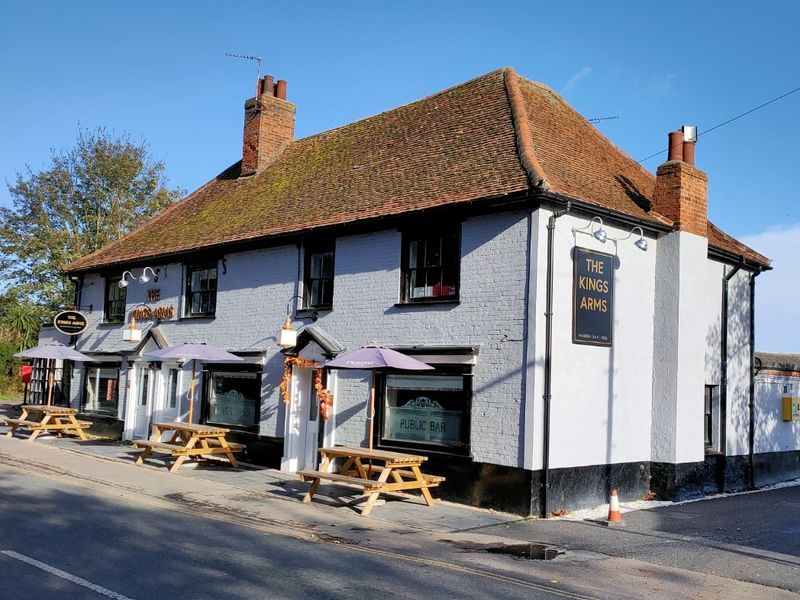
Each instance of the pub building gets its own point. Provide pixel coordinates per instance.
(588, 326)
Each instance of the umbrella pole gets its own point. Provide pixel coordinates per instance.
(191, 392)
(50, 379)
(371, 408)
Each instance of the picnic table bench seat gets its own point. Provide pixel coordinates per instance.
(214, 447)
(162, 447)
(24, 423)
(431, 480)
(367, 485)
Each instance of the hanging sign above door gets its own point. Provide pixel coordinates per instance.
(70, 322)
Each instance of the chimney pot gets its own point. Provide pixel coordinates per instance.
(268, 87)
(688, 152)
(280, 89)
(675, 148)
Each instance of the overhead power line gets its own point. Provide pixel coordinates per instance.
(731, 120)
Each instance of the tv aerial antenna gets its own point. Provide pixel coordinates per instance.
(256, 59)
(598, 119)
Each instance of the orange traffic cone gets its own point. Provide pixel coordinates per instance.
(614, 516)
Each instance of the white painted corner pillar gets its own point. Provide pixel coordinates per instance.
(679, 349)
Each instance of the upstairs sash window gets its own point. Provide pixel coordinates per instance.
(201, 291)
(431, 264)
(318, 280)
(116, 298)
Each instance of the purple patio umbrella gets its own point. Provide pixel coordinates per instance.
(373, 357)
(194, 350)
(53, 351)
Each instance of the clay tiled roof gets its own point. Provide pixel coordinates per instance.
(493, 136)
(719, 239)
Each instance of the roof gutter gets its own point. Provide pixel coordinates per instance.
(577, 204)
(736, 259)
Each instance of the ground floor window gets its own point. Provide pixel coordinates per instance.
(39, 386)
(232, 398)
(101, 389)
(172, 389)
(711, 418)
(426, 411)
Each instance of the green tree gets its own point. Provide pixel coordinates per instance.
(88, 197)
(20, 322)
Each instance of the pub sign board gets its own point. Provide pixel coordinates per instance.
(593, 297)
(70, 322)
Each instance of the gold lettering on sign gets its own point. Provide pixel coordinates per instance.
(159, 313)
(154, 295)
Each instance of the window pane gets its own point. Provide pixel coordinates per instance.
(316, 266)
(144, 380)
(450, 250)
(233, 398)
(418, 289)
(172, 401)
(425, 382)
(212, 278)
(427, 409)
(415, 249)
(327, 265)
(449, 281)
(315, 295)
(433, 252)
(101, 390)
(327, 292)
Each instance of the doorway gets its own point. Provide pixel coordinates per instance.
(167, 398)
(145, 384)
(302, 423)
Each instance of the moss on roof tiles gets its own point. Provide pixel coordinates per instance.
(455, 146)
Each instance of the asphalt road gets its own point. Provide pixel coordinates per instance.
(751, 537)
(60, 541)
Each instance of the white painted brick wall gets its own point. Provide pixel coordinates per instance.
(256, 286)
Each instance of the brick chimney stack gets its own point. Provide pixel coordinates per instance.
(268, 125)
(681, 192)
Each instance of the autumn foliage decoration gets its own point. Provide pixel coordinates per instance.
(325, 396)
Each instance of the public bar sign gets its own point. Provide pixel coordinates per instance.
(70, 322)
(593, 297)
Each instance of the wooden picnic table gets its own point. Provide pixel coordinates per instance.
(53, 419)
(188, 440)
(385, 472)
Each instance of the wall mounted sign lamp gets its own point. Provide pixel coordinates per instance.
(143, 278)
(287, 336)
(599, 234)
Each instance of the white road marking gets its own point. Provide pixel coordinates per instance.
(64, 575)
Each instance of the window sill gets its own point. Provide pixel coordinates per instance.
(110, 323)
(452, 302)
(197, 317)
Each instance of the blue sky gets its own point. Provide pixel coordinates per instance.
(158, 71)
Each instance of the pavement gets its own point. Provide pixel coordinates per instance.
(683, 546)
